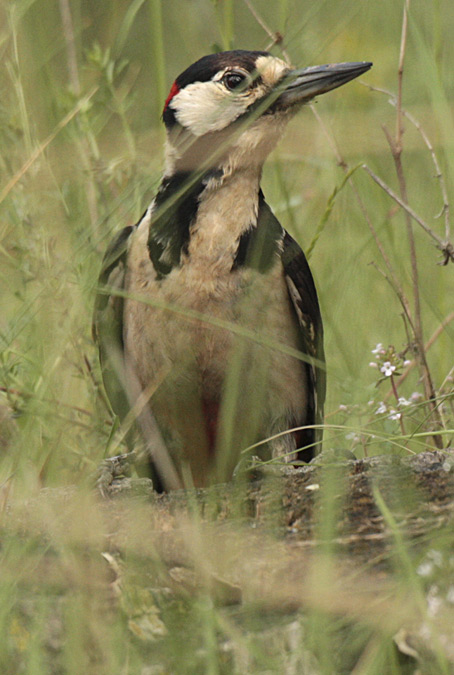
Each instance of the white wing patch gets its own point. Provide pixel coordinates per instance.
(305, 320)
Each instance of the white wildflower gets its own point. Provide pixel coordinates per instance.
(381, 408)
(394, 415)
(404, 401)
(387, 369)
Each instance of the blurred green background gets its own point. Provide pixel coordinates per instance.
(82, 85)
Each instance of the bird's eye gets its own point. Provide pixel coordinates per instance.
(233, 80)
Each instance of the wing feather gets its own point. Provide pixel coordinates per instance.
(304, 300)
(108, 320)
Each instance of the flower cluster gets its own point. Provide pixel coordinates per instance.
(402, 402)
(388, 361)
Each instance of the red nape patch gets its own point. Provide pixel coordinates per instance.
(173, 92)
(211, 414)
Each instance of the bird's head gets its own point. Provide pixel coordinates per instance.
(229, 109)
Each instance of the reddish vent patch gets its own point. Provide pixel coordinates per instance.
(211, 414)
(173, 92)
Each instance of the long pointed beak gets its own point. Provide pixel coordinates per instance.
(299, 86)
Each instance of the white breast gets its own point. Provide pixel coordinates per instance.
(173, 339)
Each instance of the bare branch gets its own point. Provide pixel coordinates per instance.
(400, 72)
(396, 147)
(344, 166)
(439, 174)
(445, 246)
(445, 209)
(276, 37)
(399, 292)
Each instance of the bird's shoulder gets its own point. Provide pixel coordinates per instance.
(258, 245)
(261, 246)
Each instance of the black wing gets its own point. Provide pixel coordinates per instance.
(108, 320)
(304, 299)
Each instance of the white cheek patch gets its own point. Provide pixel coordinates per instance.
(203, 107)
(271, 69)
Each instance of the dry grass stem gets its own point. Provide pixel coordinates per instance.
(45, 144)
(446, 247)
(275, 36)
(68, 32)
(344, 166)
(445, 209)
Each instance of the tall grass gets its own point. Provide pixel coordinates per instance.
(82, 86)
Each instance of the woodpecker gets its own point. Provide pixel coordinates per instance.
(207, 317)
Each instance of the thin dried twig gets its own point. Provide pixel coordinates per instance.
(400, 72)
(276, 37)
(445, 246)
(439, 175)
(344, 166)
(396, 151)
(27, 395)
(154, 443)
(400, 294)
(68, 32)
(73, 73)
(43, 146)
(445, 210)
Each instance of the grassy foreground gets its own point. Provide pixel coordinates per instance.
(82, 86)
